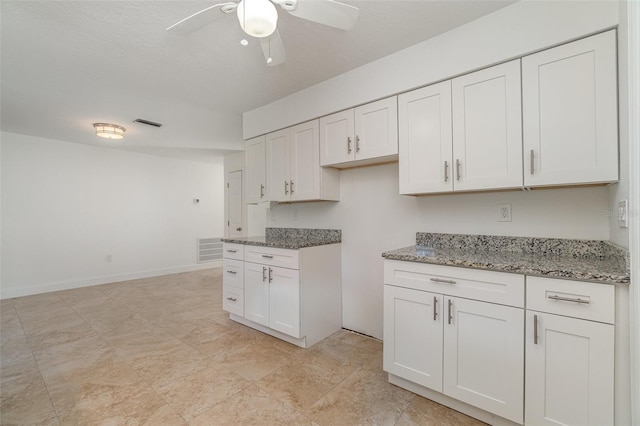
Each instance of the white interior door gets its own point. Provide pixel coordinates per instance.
(234, 204)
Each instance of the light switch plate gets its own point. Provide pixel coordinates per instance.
(623, 214)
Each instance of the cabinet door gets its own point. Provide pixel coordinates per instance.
(569, 371)
(284, 300)
(305, 162)
(256, 293)
(413, 335)
(484, 356)
(255, 157)
(336, 138)
(570, 113)
(487, 128)
(376, 129)
(278, 165)
(425, 139)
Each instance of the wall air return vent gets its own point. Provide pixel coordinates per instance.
(209, 249)
(147, 122)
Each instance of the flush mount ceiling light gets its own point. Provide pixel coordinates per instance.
(258, 18)
(109, 131)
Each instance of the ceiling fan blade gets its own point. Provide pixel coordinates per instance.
(273, 48)
(202, 18)
(326, 12)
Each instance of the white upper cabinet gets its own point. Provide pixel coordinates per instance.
(293, 166)
(367, 134)
(279, 165)
(570, 113)
(487, 129)
(255, 155)
(337, 138)
(424, 130)
(462, 134)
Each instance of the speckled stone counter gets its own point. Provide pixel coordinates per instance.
(291, 238)
(585, 260)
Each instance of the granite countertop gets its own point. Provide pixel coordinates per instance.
(585, 260)
(291, 238)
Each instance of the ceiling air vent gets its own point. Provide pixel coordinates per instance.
(147, 122)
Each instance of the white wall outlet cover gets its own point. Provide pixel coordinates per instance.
(623, 214)
(504, 212)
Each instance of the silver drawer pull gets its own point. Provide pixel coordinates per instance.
(232, 272)
(268, 256)
(568, 299)
(232, 251)
(442, 280)
(233, 299)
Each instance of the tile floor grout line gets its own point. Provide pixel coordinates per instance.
(35, 360)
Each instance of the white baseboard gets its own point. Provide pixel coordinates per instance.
(15, 291)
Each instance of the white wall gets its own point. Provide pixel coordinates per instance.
(620, 191)
(524, 27)
(371, 214)
(374, 219)
(66, 207)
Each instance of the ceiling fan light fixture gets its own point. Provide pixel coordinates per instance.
(109, 131)
(258, 18)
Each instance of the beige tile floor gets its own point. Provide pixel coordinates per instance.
(160, 351)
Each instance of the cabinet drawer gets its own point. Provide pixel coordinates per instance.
(233, 273)
(488, 286)
(233, 251)
(578, 299)
(284, 258)
(233, 300)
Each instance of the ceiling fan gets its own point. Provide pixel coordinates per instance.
(258, 18)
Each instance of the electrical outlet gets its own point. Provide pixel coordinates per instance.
(294, 214)
(504, 212)
(623, 214)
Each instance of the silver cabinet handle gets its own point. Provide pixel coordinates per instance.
(357, 143)
(286, 187)
(238, 229)
(349, 145)
(457, 169)
(270, 272)
(450, 315)
(232, 272)
(442, 280)
(446, 171)
(267, 256)
(264, 273)
(291, 186)
(233, 299)
(435, 308)
(261, 191)
(569, 299)
(535, 329)
(531, 158)
(232, 251)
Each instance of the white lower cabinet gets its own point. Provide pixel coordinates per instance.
(272, 297)
(570, 359)
(466, 349)
(294, 295)
(465, 338)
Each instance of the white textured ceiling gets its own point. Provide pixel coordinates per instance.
(68, 64)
